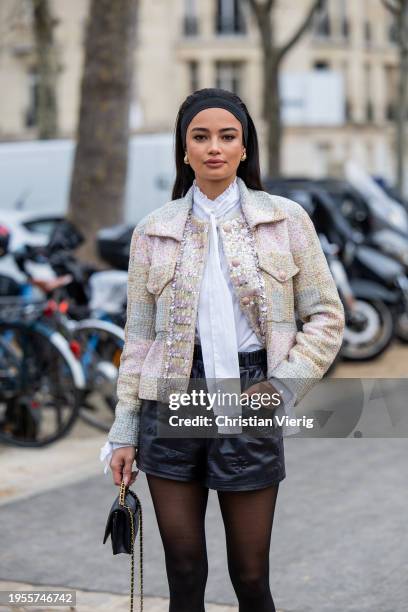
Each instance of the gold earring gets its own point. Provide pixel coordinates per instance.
(243, 158)
(186, 159)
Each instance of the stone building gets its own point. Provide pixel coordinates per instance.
(183, 45)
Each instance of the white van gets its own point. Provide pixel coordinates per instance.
(36, 175)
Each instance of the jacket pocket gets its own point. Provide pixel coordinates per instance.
(279, 265)
(279, 270)
(159, 276)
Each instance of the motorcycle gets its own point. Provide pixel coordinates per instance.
(370, 305)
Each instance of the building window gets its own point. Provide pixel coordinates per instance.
(345, 28)
(367, 32)
(391, 89)
(348, 110)
(190, 20)
(230, 18)
(392, 29)
(369, 104)
(393, 33)
(193, 72)
(229, 76)
(322, 25)
(31, 115)
(344, 68)
(390, 111)
(341, 18)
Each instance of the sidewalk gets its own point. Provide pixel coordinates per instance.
(88, 601)
(28, 472)
(336, 541)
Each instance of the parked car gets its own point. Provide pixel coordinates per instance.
(28, 227)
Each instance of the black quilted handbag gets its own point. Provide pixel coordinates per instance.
(124, 522)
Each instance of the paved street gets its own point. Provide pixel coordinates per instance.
(337, 541)
(89, 601)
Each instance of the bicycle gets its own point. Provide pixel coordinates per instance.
(41, 381)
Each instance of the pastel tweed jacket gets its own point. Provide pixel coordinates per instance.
(278, 270)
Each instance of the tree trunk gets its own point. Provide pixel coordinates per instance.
(270, 86)
(402, 105)
(273, 115)
(47, 70)
(100, 167)
(272, 55)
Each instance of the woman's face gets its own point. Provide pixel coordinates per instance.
(214, 135)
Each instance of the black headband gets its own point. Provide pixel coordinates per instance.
(211, 102)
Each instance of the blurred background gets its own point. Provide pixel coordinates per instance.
(90, 93)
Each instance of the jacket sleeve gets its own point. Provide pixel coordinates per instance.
(139, 336)
(319, 307)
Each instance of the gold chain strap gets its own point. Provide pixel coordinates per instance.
(132, 559)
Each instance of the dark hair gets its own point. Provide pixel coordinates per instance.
(248, 170)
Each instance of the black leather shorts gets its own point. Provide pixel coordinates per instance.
(226, 462)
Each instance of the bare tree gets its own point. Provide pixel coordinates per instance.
(101, 158)
(47, 68)
(399, 10)
(264, 12)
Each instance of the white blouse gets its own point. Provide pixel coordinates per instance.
(247, 341)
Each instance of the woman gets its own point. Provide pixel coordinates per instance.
(215, 278)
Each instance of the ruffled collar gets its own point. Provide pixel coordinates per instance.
(227, 201)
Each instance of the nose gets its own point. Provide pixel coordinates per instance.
(214, 146)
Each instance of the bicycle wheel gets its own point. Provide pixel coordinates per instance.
(40, 385)
(101, 348)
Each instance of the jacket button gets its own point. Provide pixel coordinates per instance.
(235, 262)
(282, 274)
(227, 227)
(245, 300)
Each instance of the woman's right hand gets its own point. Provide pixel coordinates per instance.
(121, 465)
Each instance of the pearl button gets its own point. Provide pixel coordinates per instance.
(227, 227)
(245, 300)
(282, 274)
(235, 262)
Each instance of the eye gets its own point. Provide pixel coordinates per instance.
(228, 137)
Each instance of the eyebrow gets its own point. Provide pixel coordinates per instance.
(207, 130)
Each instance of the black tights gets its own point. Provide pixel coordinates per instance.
(248, 516)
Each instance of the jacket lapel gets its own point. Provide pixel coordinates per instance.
(169, 221)
(257, 207)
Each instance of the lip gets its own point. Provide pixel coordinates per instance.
(215, 162)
